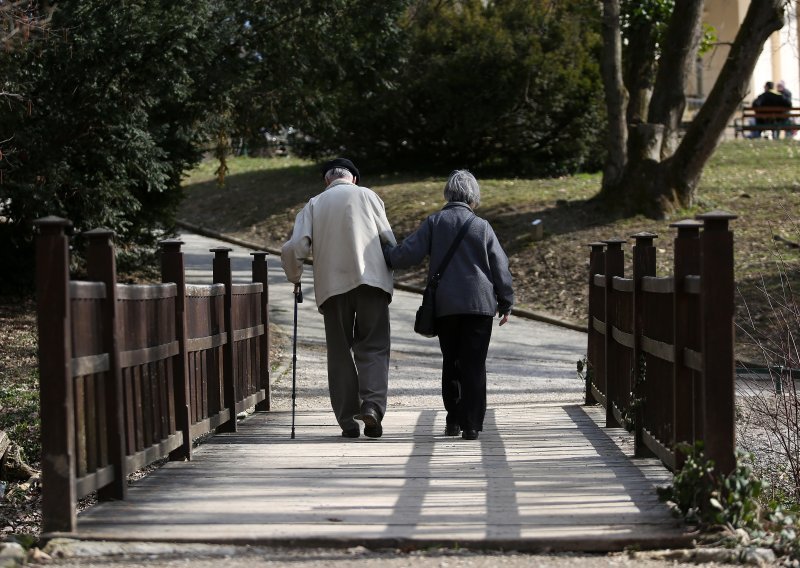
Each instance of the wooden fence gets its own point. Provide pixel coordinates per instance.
(660, 349)
(132, 373)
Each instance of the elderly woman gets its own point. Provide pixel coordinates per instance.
(473, 288)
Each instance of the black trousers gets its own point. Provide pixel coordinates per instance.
(464, 341)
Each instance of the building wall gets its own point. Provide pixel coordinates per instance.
(780, 59)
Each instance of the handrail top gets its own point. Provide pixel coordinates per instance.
(87, 290)
(204, 290)
(147, 291)
(716, 215)
(99, 232)
(687, 224)
(52, 221)
(658, 284)
(622, 284)
(247, 289)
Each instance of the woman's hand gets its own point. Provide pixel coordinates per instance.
(503, 319)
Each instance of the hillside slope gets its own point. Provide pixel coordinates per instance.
(757, 180)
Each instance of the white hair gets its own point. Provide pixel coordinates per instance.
(338, 173)
(462, 186)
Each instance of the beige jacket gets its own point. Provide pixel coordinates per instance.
(345, 225)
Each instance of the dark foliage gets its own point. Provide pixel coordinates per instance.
(111, 104)
(111, 113)
(301, 60)
(509, 87)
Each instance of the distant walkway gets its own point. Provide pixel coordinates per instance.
(542, 476)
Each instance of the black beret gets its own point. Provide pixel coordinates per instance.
(341, 163)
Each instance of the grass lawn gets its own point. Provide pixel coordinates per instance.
(19, 377)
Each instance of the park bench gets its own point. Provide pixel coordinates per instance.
(759, 119)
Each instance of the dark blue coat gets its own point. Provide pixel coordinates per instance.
(477, 280)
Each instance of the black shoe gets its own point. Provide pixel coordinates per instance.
(452, 430)
(470, 435)
(351, 433)
(372, 420)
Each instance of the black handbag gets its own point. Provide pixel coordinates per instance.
(425, 322)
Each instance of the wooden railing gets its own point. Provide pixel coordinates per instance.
(132, 373)
(660, 349)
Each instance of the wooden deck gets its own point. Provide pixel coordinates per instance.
(541, 477)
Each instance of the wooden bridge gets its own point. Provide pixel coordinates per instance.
(548, 473)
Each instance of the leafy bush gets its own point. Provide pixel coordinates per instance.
(109, 114)
(730, 503)
(19, 376)
(498, 86)
(19, 417)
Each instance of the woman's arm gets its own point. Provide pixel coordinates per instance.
(501, 275)
(412, 250)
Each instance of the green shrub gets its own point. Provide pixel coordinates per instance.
(511, 87)
(730, 503)
(110, 114)
(19, 416)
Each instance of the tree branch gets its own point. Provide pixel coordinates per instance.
(677, 59)
(762, 19)
(616, 95)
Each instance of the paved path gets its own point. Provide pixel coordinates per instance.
(542, 476)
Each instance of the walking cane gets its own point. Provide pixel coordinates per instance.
(298, 299)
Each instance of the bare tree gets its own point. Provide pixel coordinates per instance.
(654, 171)
(22, 20)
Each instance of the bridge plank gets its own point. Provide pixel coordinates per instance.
(531, 481)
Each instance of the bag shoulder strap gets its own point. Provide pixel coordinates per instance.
(451, 251)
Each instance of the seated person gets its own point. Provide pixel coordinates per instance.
(771, 101)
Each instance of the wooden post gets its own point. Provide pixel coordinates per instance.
(55, 376)
(222, 275)
(644, 264)
(173, 270)
(260, 274)
(687, 393)
(596, 266)
(615, 266)
(102, 267)
(717, 297)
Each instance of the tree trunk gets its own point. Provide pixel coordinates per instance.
(678, 55)
(648, 174)
(639, 71)
(616, 98)
(643, 178)
(684, 168)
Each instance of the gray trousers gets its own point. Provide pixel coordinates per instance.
(357, 337)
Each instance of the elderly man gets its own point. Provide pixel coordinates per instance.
(346, 225)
